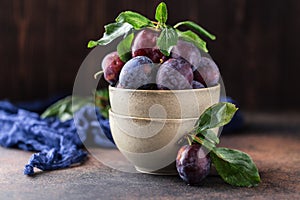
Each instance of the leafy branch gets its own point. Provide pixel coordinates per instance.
(128, 21)
(234, 166)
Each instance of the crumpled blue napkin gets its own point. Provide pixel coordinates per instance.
(59, 144)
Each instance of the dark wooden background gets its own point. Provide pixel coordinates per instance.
(43, 43)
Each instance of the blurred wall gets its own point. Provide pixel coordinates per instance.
(43, 43)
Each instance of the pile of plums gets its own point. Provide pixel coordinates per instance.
(149, 68)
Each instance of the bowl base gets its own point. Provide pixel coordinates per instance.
(169, 170)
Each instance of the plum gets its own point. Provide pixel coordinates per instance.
(175, 74)
(144, 44)
(111, 66)
(137, 73)
(209, 71)
(193, 163)
(187, 51)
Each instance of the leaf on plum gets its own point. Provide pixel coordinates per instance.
(197, 28)
(161, 14)
(124, 47)
(137, 20)
(192, 37)
(166, 40)
(112, 31)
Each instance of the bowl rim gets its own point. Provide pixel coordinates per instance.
(215, 87)
(151, 119)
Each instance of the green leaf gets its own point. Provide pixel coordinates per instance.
(166, 40)
(217, 115)
(192, 37)
(161, 14)
(55, 108)
(197, 28)
(102, 101)
(205, 143)
(235, 167)
(64, 108)
(92, 44)
(211, 136)
(112, 31)
(124, 48)
(135, 19)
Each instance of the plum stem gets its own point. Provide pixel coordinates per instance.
(98, 73)
(197, 139)
(189, 140)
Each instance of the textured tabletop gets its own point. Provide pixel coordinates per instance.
(271, 139)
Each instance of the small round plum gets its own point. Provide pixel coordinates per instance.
(175, 74)
(209, 71)
(137, 73)
(193, 164)
(144, 44)
(111, 66)
(187, 51)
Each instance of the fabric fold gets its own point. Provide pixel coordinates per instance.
(58, 144)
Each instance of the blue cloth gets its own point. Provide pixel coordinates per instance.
(58, 144)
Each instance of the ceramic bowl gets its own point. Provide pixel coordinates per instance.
(151, 145)
(147, 125)
(163, 104)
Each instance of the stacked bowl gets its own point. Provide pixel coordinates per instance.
(147, 125)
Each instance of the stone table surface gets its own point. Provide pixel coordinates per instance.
(272, 140)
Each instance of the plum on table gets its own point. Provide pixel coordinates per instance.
(193, 163)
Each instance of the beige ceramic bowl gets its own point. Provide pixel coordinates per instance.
(147, 124)
(151, 145)
(163, 104)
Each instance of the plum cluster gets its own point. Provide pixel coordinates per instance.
(149, 68)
